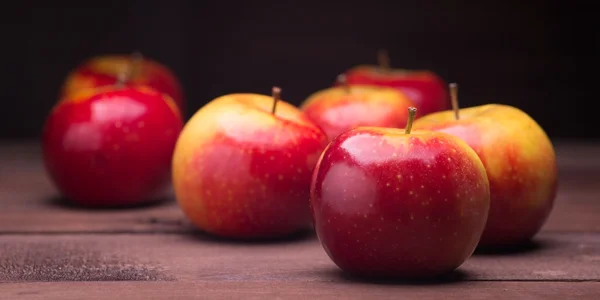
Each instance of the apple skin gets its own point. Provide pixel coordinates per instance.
(241, 172)
(521, 167)
(390, 205)
(104, 71)
(338, 109)
(426, 89)
(111, 146)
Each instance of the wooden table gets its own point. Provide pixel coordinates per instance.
(51, 250)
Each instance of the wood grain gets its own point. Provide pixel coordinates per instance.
(30, 204)
(200, 258)
(52, 250)
(293, 290)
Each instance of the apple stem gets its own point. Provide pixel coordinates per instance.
(383, 60)
(121, 79)
(276, 92)
(412, 111)
(454, 99)
(136, 63)
(342, 80)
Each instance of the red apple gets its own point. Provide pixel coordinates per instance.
(399, 204)
(112, 146)
(341, 108)
(425, 88)
(104, 70)
(242, 167)
(520, 162)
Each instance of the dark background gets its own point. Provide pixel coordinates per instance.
(540, 56)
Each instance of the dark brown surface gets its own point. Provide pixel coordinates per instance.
(52, 250)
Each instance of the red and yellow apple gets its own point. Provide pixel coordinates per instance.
(242, 167)
(105, 70)
(425, 88)
(520, 162)
(112, 146)
(398, 203)
(341, 108)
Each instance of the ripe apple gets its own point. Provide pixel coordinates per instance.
(341, 108)
(425, 88)
(398, 203)
(104, 70)
(242, 166)
(520, 163)
(112, 146)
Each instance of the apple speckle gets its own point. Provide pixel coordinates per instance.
(140, 124)
(280, 177)
(126, 129)
(116, 147)
(299, 170)
(412, 217)
(443, 176)
(387, 184)
(422, 186)
(118, 124)
(371, 205)
(365, 215)
(410, 192)
(272, 157)
(208, 192)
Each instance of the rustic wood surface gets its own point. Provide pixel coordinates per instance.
(50, 249)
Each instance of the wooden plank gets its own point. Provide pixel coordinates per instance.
(306, 290)
(28, 201)
(199, 258)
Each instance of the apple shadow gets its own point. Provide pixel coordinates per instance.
(295, 237)
(532, 246)
(453, 277)
(65, 203)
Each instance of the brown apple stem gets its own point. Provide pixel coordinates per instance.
(136, 64)
(121, 79)
(412, 112)
(383, 60)
(342, 80)
(454, 99)
(276, 97)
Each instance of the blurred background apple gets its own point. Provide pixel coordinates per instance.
(103, 70)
